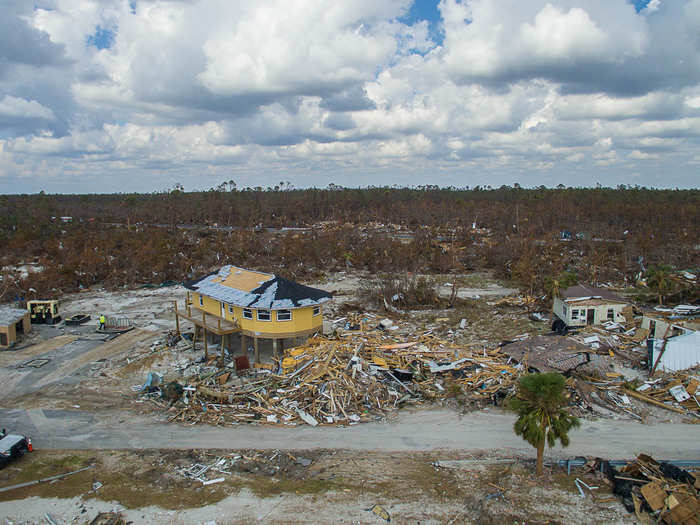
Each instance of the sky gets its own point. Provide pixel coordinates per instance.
(102, 96)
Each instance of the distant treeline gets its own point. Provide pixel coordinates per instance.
(127, 239)
(597, 211)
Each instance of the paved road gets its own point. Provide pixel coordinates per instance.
(413, 431)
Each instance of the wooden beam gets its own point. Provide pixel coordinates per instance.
(653, 401)
(177, 319)
(244, 349)
(257, 350)
(661, 352)
(206, 348)
(275, 343)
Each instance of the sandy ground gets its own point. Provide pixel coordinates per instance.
(334, 487)
(14, 357)
(149, 308)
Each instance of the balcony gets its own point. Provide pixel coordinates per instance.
(209, 322)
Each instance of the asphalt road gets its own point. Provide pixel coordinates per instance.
(412, 431)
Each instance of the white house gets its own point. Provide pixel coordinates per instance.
(583, 305)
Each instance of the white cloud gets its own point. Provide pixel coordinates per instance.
(536, 39)
(19, 108)
(543, 90)
(641, 155)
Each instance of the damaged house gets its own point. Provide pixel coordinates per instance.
(254, 304)
(583, 305)
(674, 337)
(13, 323)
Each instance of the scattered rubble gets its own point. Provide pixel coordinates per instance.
(659, 491)
(358, 377)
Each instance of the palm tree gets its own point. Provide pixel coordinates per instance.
(541, 416)
(659, 278)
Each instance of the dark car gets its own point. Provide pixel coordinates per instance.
(13, 446)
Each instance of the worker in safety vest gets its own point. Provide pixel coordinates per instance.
(103, 320)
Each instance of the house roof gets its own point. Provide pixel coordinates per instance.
(10, 315)
(549, 354)
(251, 289)
(581, 291)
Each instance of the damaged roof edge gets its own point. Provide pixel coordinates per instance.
(274, 294)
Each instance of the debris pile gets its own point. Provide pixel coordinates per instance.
(662, 490)
(680, 390)
(264, 462)
(362, 376)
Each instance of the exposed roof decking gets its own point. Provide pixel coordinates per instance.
(274, 293)
(241, 279)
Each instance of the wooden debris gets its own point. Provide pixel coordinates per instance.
(360, 377)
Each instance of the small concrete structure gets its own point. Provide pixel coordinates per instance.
(13, 323)
(583, 305)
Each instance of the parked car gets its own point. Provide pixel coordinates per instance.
(13, 446)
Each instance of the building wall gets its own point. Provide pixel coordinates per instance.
(660, 324)
(659, 327)
(681, 352)
(302, 320)
(565, 312)
(11, 332)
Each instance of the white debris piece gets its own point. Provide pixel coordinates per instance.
(308, 418)
(679, 393)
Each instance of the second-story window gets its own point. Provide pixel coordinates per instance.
(247, 313)
(263, 315)
(284, 315)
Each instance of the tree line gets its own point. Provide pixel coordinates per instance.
(128, 239)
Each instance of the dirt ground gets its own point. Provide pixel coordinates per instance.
(327, 486)
(25, 353)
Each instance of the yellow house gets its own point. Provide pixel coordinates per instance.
(254, 304)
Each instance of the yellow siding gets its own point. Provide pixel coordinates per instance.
(302, 318)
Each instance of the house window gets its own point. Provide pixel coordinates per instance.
(263, 315)
(284, 315)
(230, 308)
(574, 314)
(611, 314)
(317, 310)
(201, 301)
(247, 313)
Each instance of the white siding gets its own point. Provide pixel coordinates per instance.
(600, 316)
(682, 352)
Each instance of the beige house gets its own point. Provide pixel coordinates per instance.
(583, 305)
(13, 323)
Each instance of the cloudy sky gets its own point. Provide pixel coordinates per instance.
(138, 95)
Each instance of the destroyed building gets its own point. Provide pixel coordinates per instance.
(13, 323)
(254, 304)
(674, 337)
(583, 305)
